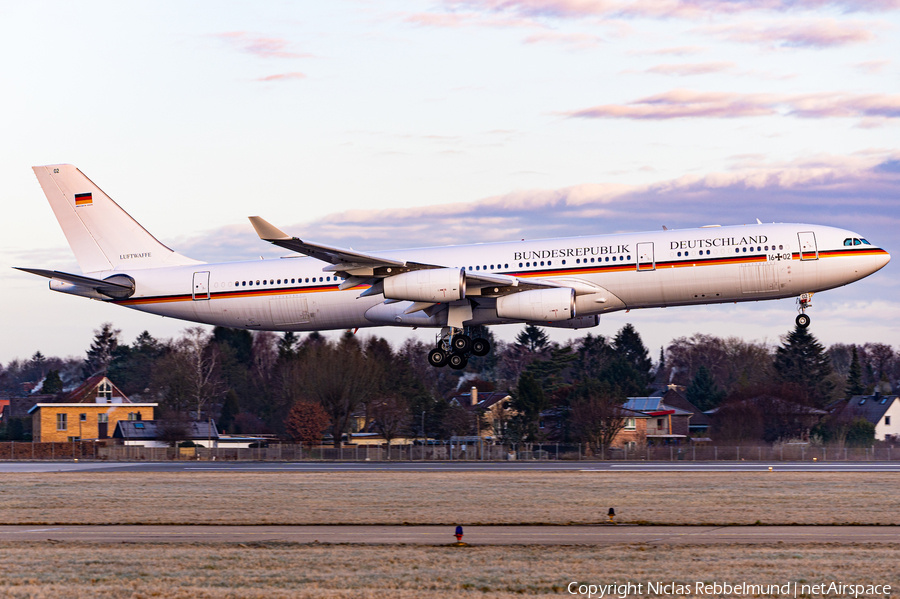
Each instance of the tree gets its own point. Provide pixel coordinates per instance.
(172, 429)
(801, 360)
(703, 391)
(597, 414)
(854, 377)
(52, 383)
(231, 407)
(305, 423)
(339, 379)
(100, 354)
(532, 338)
(629, 346)
(529, 401)
(391, 417)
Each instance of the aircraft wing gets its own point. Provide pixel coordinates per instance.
(111, 288)
(357, 268)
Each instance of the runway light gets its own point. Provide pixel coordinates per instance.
(815, 459)
(770, 469)
(459, 534)
(612, 514)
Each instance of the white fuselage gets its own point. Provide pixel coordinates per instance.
(609, 273)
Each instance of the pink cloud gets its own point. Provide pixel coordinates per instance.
(282, 77)
(822, 33)
(682, 103)
(689, 9)
(697, 68)
(264, 47)
(872, 67)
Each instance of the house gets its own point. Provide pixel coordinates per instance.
(494, 406)
(764, 417)
(86, 412)
(145, 433)
(650, 419)
(881, 410)
(673, 395)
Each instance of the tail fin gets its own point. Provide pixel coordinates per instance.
(100, 233)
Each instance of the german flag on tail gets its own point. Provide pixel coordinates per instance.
(84, 199)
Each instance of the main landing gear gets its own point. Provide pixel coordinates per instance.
(803, 303)
(454, 347)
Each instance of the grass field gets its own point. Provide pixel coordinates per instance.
(449, 498)
(80, 571)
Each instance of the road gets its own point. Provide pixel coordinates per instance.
(551, 466)
(442, 535)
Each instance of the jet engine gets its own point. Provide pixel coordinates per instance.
(538, 304)
(437, 285)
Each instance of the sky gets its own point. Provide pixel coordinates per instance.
(381, 125)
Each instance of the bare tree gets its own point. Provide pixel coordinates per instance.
(189, 374)
(339, 378)
(390, 417)
(597, 415)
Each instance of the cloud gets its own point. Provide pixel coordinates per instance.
(681, 103)
(282, 77)
(857, 192)
(822, 33)
(685, 9)
(871, 67)
(257, 45)
(687, 69)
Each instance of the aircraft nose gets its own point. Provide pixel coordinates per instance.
(881, 261)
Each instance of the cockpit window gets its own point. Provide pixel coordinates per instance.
(865, 242)
(848, 241)
(857, 242)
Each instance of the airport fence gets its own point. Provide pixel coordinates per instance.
(448, 451)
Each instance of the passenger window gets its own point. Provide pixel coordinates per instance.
(737, 250)
(520, 265)
(477, 268)
(506, 266)
(564, 262)
(307, 279)
(607, 258)
(244, 284)
(593, 259)
(542, 262)
(707, 253)
(686, 253)
(577, 260)
(745, 250)
(549, 263)
(614, 258)
(679, 254)
(237, 283)
(492, 267)
(780, 247)
(629, 257)
(484, 267)
(320, 279)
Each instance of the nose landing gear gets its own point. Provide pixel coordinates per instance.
(804, 302)
(454, 347)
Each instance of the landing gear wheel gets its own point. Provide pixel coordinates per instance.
(458, 361)
(437, 358)
(461, 344)
(481, 347)
(802, 321)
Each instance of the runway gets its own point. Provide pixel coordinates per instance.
(443, 535)
(456, 466)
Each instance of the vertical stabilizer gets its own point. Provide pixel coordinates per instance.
(100, 233)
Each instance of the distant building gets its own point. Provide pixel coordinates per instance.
(145, 433)
(881, 410)
(495, 406)
(89, 411)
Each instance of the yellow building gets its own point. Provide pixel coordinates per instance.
(89, 412)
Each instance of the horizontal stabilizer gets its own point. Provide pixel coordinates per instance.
(122, 287)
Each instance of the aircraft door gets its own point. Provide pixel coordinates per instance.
(201, 286)
(645, 257)
(808, 249)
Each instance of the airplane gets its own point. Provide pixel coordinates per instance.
(563, 282)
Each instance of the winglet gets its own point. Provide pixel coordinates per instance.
(266, 230)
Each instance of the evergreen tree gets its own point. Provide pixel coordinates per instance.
(231, 407)
(103, 347)
(629, 346)
(801, 360)
(660, 367)
(703, 391)
(529, 401)
(240, 340)
(532, 338)
(52, 383)
(287, 346)
(854, 377)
